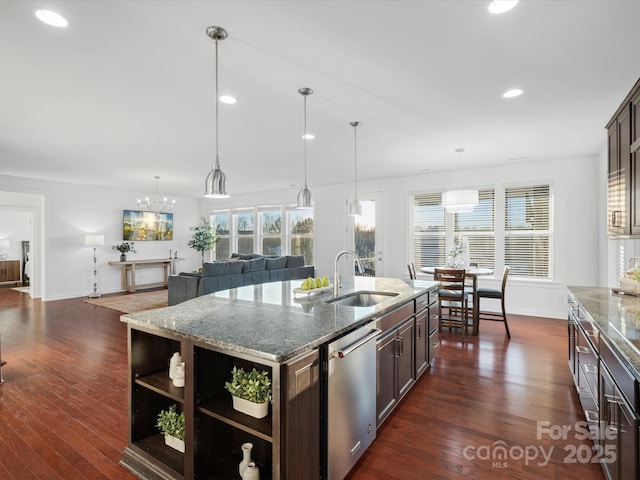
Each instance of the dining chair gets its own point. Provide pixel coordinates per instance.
(412, 271)
(453, 299)
(495, 294)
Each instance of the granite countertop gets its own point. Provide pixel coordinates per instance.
(268, 321)
(617, 317)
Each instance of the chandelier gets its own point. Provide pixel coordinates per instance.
(158, 204)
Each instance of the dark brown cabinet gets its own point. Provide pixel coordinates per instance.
(214, 431)
(10, 271)
(395, 374)
(609, 395)
(623, 193)
(422, 342)
(301, 417)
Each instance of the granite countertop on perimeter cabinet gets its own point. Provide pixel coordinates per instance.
(269, 321)
(617, 317)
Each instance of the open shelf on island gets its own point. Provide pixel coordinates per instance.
(160, 383)
(221, 408)
(155, 446)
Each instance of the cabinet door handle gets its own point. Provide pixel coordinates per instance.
(591, 369)
(581, 349)
(398, 343)
(592, 417)
(419, 331)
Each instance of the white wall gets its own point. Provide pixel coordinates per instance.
(71, 211)
(577, 189)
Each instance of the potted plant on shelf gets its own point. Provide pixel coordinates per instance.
(171, 424)
(251, 391)
(123, 248)
(204, 237)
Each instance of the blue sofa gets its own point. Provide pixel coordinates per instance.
(238, 271)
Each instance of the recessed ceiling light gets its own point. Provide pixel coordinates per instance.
(516, 92)
(309, 136)
(51, 18)
(501, 6)
(228, 99)
(459, 150)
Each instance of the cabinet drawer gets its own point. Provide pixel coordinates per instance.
(423, 301)
(434, 345)
(621, 375)
(393, 318)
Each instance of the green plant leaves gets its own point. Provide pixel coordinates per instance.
(254, 386)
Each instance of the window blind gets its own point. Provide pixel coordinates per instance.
(528, 231)
(478, 228)
(428, 230)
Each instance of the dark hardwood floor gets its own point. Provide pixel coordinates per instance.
(63, 411)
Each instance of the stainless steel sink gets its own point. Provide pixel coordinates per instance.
(362, 298)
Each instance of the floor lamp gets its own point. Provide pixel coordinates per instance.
(94, 241)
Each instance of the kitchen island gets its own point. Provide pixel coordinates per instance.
(604, 359)
(264, 326)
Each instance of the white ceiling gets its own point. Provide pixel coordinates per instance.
(126, 92)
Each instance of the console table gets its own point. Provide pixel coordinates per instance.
(129, 271)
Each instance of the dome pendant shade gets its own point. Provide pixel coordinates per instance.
(304, 199)
(355, 207)
(460, 200)
(304, 196)
(215, 186)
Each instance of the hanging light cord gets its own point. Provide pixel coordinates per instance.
(305, 141)
(217, 156)
(355, 157)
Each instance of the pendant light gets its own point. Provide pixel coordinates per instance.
(304, 196)
(458, 201)
(355, 207)
(216, 183)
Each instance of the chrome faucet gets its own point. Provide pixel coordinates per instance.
(336, 280)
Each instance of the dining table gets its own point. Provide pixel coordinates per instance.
(473, 273)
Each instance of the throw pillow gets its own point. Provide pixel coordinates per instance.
(276, 263)
(215, 269)
(295, 261)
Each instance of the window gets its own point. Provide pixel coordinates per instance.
(478, 229)
(300, 233)
(243, 223)
(220, 222)
(528, 231)
(428, 229)
(271, 231)
(521, 231)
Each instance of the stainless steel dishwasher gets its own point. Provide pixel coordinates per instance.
(350, 393)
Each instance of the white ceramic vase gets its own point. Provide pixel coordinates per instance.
(246, 458)
(251, 472)
(178, 377)
(256, 410)
(173, 363)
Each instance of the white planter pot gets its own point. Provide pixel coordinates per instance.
(257, 410)
(174, 442)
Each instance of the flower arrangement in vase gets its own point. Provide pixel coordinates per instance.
(123, 248)
(251, 391)
(456, 259)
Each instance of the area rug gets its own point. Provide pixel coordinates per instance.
(132, 302)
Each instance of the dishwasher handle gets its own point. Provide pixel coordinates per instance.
(358, 343)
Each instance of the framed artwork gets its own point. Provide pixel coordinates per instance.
(139, 226)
